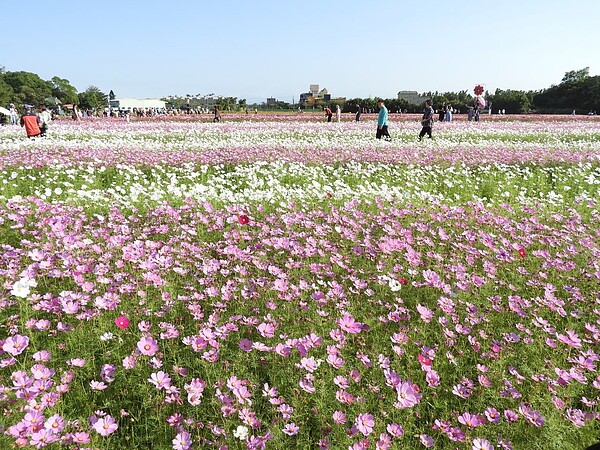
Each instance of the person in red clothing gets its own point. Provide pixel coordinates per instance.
(31, 122)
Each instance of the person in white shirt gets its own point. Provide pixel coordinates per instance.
(14, 114)
(45, 118)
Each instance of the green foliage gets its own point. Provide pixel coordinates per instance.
(227, 103)
(514, 102)
(62, 89)
(93, 98)
(577, 91)
(27, 87)
(6, 92)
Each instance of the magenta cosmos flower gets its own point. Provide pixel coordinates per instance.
(407, 396)
(15, 345)
(105, 425)
(349, 324)
(243, 219)
(147, 346)
(183, 441)
(122, 322)
(365, 423)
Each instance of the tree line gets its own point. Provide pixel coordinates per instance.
(23, 88)
(577, 91)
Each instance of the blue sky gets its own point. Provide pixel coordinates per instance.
(260, 48)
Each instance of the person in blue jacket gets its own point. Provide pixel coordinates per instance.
(382, 122)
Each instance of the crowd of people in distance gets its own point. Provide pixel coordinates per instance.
(36, 120)
(445, 114)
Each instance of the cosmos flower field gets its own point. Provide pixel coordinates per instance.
(280, 282)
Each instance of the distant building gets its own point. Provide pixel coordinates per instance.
(411, 97)
(315, 94)
(271, 101)
(128, 104)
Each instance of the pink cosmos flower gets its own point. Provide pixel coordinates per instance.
(570, 339)
(324, 444)
(309, 364)
(42, 356)
(365, 423)
(424, 360)
(122, 322)
(43, 437)
(243, 219)
(471, 420)
(15, 345)
(407, 396)
(481, 444)
(432, 378)
(510, 415)
(425, 313)
(105, 425)
(98, 385)
(349, 324)
(245, 344)
(339, 417)
(182, 441)
(533, 416)
(81, 438)
(55, 423)
(426, 440)
(160, 379)
(266, 330)
(395, 430)
(147, 346)
(492, 415)
(291, 429)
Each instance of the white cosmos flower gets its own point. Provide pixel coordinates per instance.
(107, 336)
(241, 432)
(394, 285)
(20, 289)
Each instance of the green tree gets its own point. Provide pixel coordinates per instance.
(93, 98)
(514, 102)
(577, 90)
(576, 76)
(6, 91)
(28, 87)
(62, 89)
(227, 103)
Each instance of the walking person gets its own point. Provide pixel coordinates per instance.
(426, 120)
(382, 122)
(31, 122)
(358, 113)
(328, 113)
(217, 117)
(442, 112)
(75, 115)
(338, 113)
